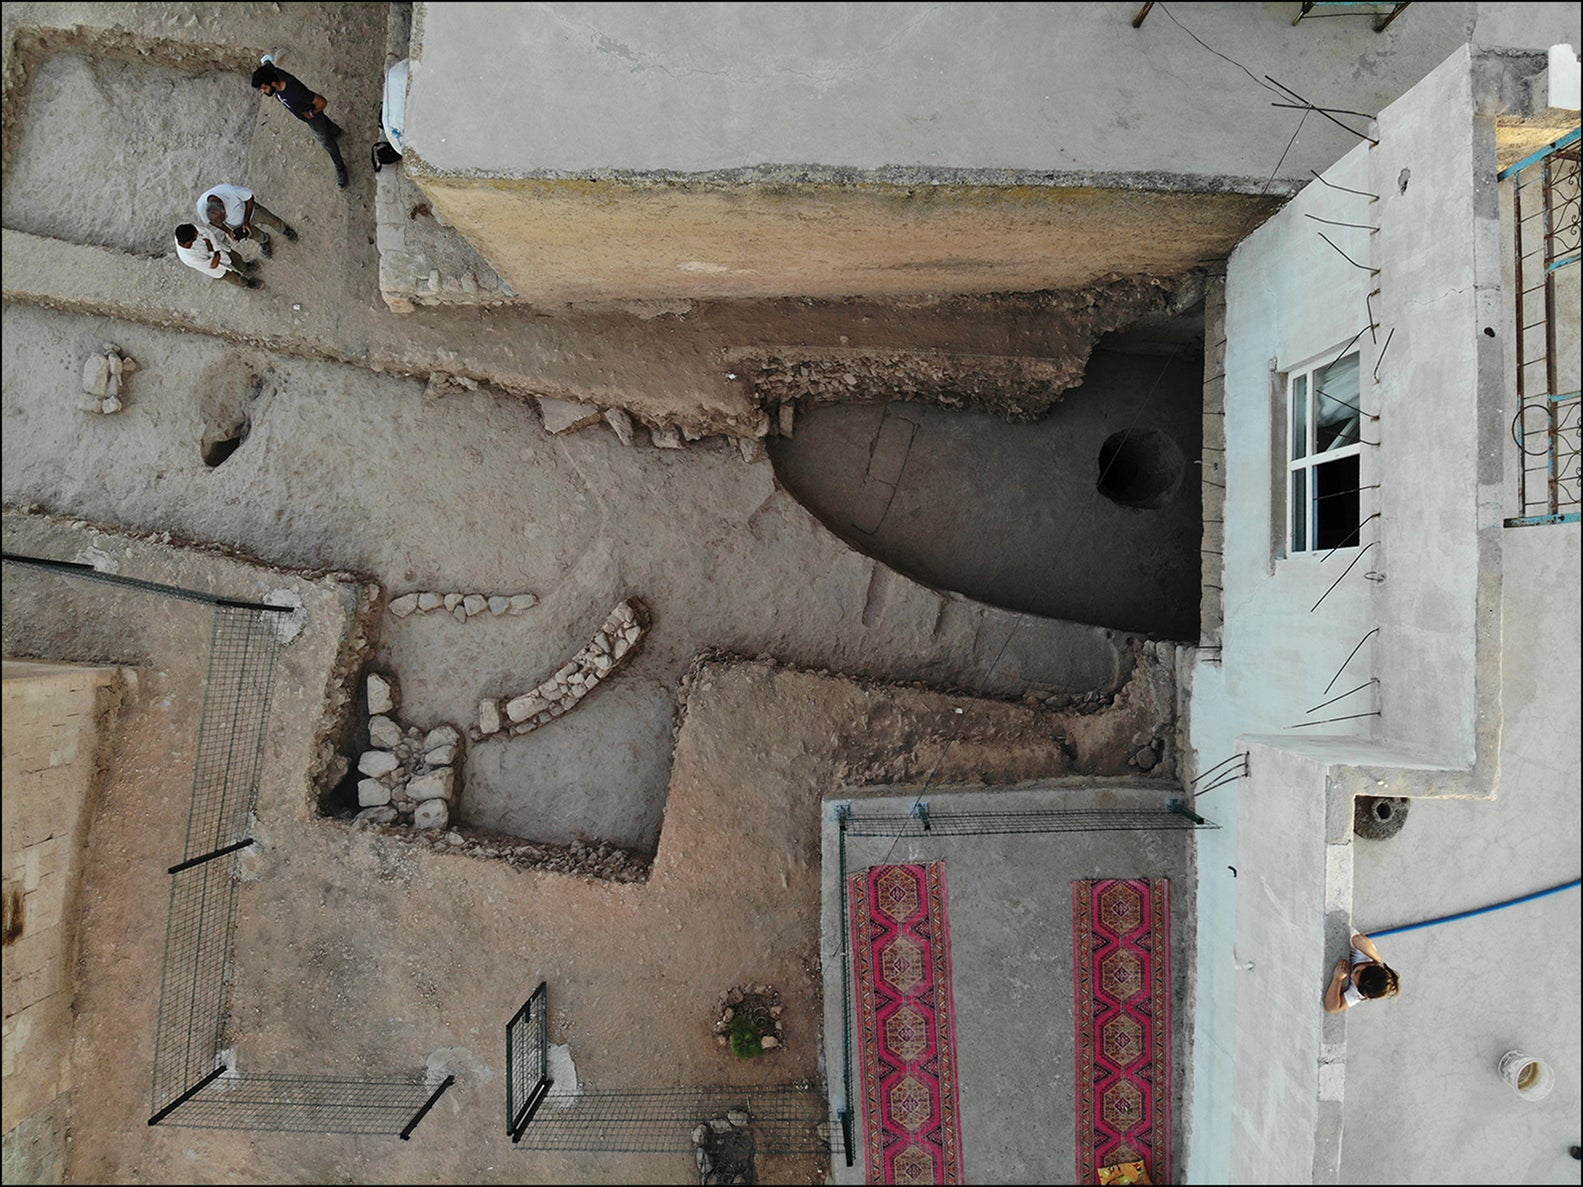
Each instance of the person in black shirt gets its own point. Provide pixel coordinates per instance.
(307, 106)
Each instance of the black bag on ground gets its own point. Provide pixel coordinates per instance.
(384, 154)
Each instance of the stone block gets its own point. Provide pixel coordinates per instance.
(436, 785)
(375, 763)
(431, 814)
(96, 376)
(475, 604)
(441, 756)
(521, 708)
(488, 717)
(565, 416)
(383, 693)
(498, 604)
(383, 732)
(404, 605)
(620, 423)
(429, 601)
(521, 602)
(371, 793)
(441, 735)
(452, 600)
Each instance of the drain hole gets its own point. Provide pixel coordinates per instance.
(1140, 468)
(1379, 817)
(219, 444)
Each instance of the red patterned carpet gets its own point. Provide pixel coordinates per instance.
(1121, 961)
(905, 1025)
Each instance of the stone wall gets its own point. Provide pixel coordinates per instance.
(613, 644)
(410, 775)
(54, 718)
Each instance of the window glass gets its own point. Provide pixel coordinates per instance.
(1299, 505)
(1337, 503)
(1324, 436)
(1299, 417)
(1336, 416)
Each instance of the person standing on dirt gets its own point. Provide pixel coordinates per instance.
(233, 209)
(200, 252)
(307, 105)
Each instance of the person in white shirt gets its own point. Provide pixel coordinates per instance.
(1361, 975)
(200, 252)
(233, 209)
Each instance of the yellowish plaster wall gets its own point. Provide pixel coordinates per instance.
(51, 722)
(584, 241)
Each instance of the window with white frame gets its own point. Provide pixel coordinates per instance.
(1324, 446)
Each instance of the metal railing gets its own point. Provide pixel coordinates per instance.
(1546, 426)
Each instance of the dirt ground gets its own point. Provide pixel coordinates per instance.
(360, 954)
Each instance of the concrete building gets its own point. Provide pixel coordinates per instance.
(1395, 624)
(593, 152)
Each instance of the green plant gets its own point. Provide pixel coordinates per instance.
(745, 1037)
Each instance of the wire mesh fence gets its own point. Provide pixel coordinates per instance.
(527, 1062)
(780, 1118)
(927, 822)
(203, 897)
(304, 1104)
(192, 1085)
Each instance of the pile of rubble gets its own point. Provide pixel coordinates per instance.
(104, 378)
(463, 606)
(410, 776)
(612, 645)
(723, 1148)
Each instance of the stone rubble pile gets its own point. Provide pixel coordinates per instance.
(568, 416)
(612, 645)
(104, 377)
(409, 776)
(462, 605)
(723, 1148)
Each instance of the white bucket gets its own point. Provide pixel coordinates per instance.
(1530, 1078)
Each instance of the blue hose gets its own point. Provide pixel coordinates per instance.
(1512, 902)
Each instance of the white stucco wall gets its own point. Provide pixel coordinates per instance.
(1289, 297)
(1270, 1085)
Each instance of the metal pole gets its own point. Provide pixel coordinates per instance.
(40, 562)
(1396, 11)
(843, 813)
(188, 1095)
(530, 1110)
(406, 1134)
(1136, 21)
(198, 861)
